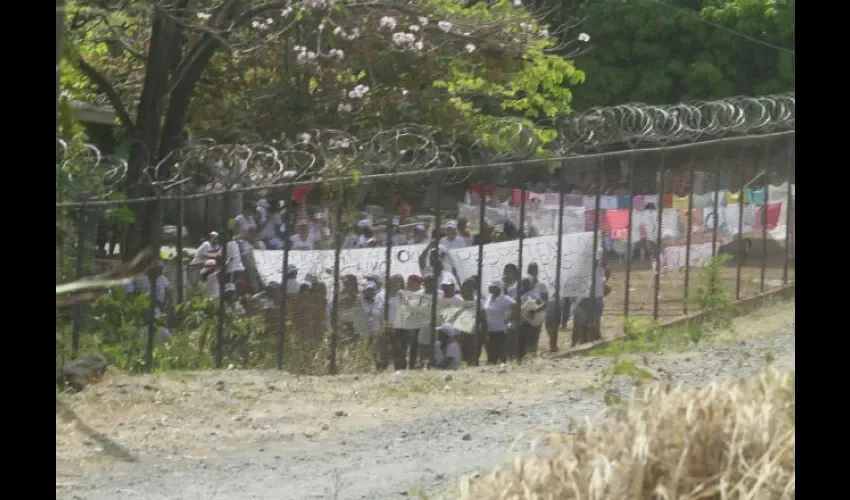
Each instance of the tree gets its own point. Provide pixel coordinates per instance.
(150, 59)
(681, 50)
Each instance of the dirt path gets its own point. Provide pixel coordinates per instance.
(427, 447)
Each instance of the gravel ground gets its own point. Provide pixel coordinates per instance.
(430, 453)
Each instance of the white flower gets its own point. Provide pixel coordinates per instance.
(358, 92)
(305, 57)
(388, 22)
(414, 28)
(544, 32)
(445, 26)
(303, 137)
(583, 37)
(300, 48)
(423, 21)
(419, 45)
(355, 33)
(403, 38)
(517, 3)
(260, 25)
(269, 20)
(404, 92)
(336, 54)
(339, 31)
(470, 47)
(344, 107)
(203, 15)
(285, 12)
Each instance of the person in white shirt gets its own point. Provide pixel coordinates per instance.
(447, 352)
(462, 231)
(452, 240)
(292, 283)
(302, 239)
(209, 278)
(374, 309)
(162, 294)
(209, 249)
(419, 235)
(245, 223)
(320, 233)
(435, 255)
(510, 284)
(497, 313)
(541, 294)
(269, 228)
(364, 233)
(234, 268)
(531, 319)
(447, 286)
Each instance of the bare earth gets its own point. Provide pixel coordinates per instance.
(263, 434)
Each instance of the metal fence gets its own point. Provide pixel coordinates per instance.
(345, 271)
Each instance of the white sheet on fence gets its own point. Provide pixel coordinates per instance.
(414, 312)
(358, 261)
(576, 260)
(673, 258)
(544, 218)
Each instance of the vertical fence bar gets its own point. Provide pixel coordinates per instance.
(77, 310)
(789, 200)
(289, 220)
(659, 246)
(180, 216)
(716, 208)
(764, 217)
(522, 195)
(562, 189)
(482, 207)
(741, 241)
(438, 221)
(152, 277)
(629, 237)
(337, 283)
(691, 173)
(223, 279)
(597, 204)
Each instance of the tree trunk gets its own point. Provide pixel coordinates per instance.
(60, 36)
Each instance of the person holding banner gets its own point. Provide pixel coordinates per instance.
(531, 318)
(469, 341)
(497, 313)
(510, 280)
(405, 341)
(541, 294)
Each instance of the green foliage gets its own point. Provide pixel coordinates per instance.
(713, 298)
(654, 52)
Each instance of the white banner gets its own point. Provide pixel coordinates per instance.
(576, 261)
(673, 258)
(357, 261)
(414, 312)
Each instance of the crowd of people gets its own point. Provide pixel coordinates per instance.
(505, 329)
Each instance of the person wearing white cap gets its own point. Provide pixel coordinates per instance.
(209, 249)
(419, 235)
(302, 240)
(497, 312)
(447, 285)
(447, 351)
(452, 241)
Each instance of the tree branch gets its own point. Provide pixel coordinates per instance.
(114, 99)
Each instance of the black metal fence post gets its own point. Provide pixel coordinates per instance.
(518, 317)
(222, 281)
(691, 173)
(180, 217)
(657, 258)
(716, 209)
(597, 204)
(79, 271)
(789, 206)
(742, 242)
(435, 293)
(482, 287)
(559, 259)
(764, 218)
(337, 283)
(629, 249)
(289, 221)
(152, 278)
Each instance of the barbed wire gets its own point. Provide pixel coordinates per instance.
(206, 167)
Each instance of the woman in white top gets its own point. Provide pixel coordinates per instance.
(497, 312)
(302, 239)
(209, 278)
(233, 267)
(470, 342)
(209, 249)
(531, 318)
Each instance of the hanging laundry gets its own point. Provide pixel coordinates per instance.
(617, 223)
(733, 197)
(624, 201)
(667, 200)
(638, 202)
(644, 224)
(695, 222)
(773, 211)
(670, 227)
(731, 215)
(755, 196)
(702, 200)
(608, 202)
(779, 194)
(651, 198)
(720, 196)
(573, 200)
(590, 220)
(681, 202)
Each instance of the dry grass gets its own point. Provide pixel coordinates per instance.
(730, 440)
